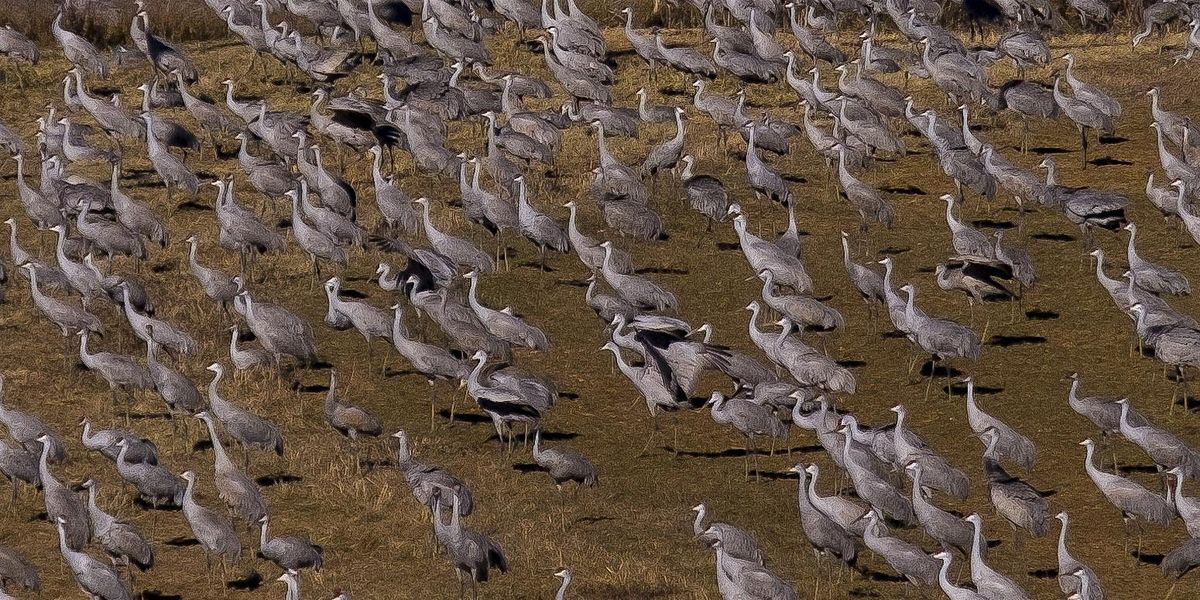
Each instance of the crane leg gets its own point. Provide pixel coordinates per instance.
(1084, 140)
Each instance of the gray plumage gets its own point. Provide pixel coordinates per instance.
(108, 237)
(137, 217)
(706, 194)
(1068, 581)
(846, 513)
(879, 493)
(429, 482)
(280, 331)
(939, 473)
(289, 552)
(870, 204)
(1153, 277)
(247, 358)
(766, 256)
(93, 577)
(1181, 559)
(539, 228)
(17, 464)
(104, 441)
(349, 420)
(459, 250)
(1010, 443)
(26, 428)
(906, 559)
(155, 484)
(149, 328)
(432, 361)
(123, 542)
(807, 312)
(1015, 500)
(634, 289)
(737, 542)
(503, 324)
(749, 418)
(370, 321)
(63, 503)
(79, 51)
(470, 552)
(563, 464)
(118, 370)
(14, 44)
(967, 240)
(1162, 446)
(239, 229)
(265, 175)
(215, 532)
(989, 582)
(68, 317)
(41, 210)
(394, 205)
(215, 284)
(247, 428)
(17, 570)
(175, 389)
(1133, 500)
(941, 337)
(1084, 206)
(607, 306)
(826, 535)
(952, 591)
(685, 59)
(948, 530)
(590, 252)
(234, 487)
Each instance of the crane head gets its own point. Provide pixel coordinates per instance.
(1087, 442)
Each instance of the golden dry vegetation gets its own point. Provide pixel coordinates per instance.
(631, 536)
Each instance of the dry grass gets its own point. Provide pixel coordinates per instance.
(631, 537)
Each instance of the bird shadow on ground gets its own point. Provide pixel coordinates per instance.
(1105, 161)
(795, 178)
(993, 224)
(149, 415)
(959, 389)
(926, 269)
(1188, 403)
(1112, 139)
(1037, 314)
(277, 478)
(943, 370)
(469, 418)
(377, 462)
(182, 542)
(252, 581)
(775, 475)
(576, 283)
(352, 293)
(144, 505)
(527, 468)
(163, 267)
(1053, 237)
(1148, 559)
(906, 190)
(537, 267)
(674, 92)
(728, 452)
(852, 363)
(568, 396)
(1004, 341)
(894, 335)
(310, 388)
(157, 595)
(1047, 150)
(1044, 573)
(728, 246)
(202, 445)
(893, 251)
(192, 205)
(1137, 469)
(871, 575)
(283, 223)
(661, 271)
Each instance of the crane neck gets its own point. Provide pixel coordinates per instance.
(698, 523)
(1064, 555)
(562, 589)
(262, 528)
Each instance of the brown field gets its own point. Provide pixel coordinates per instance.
(631, 536)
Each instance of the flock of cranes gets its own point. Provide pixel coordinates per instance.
(441, 325)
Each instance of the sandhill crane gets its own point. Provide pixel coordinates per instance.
(215, 532)
(1153, 277)
(871, 206)
(1014, 499)
(878, 493)
(738, 542)
(93, 577)
(636, 290)
(290, 552)
(563, 464)
(17, 464)
(906, 559)
(1068, 565)
(1085, 115)
(123, 542)
(1134, 501)
(949, 531)
(503, 324)
(247, 428)
(26, 428)
(766, 256)
(750, 419)
(349, 420)
(1163, 447)
(429, 482)
(824, 533)
(235, 488)
(459, 250)
(105, 441)
(17, 570)
(989, 582)
(62, 503)
(1010, 443)
(470, 552)
(79, 51)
